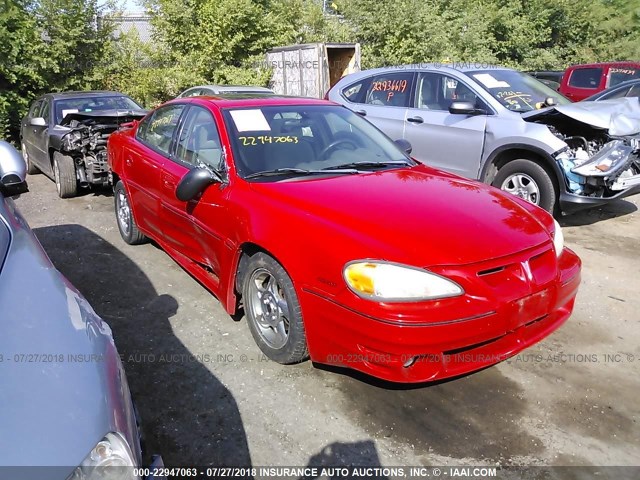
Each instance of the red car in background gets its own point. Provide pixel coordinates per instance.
(582, 81)
(337, 245)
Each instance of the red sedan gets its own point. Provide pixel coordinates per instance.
(337, 245)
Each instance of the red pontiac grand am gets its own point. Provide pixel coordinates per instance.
(336, 243)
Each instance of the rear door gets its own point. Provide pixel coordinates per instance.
(40, 139)
(28, 131)
(195, 228)
(383, 99)
(143, 162)
(451, 142)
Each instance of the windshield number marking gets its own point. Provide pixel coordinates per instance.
(264, 139)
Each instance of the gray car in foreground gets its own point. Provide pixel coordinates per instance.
(65, 406)
(505, 128)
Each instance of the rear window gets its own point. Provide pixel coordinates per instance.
(622, 74)
(586, 78)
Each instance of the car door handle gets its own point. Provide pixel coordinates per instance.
(362, 113)
(415, 119)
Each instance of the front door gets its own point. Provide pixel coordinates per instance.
(451, 142)
(195, 228)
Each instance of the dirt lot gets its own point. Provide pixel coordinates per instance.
(208, 397)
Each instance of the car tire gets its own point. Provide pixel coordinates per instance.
(124, 217)
(31, 168)
(64, 174)
(528, 180)
(273, 311)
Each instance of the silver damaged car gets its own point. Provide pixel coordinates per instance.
(65, 408)
(505, 128)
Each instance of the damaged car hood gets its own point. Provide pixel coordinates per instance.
(104, 116)
(620, 116)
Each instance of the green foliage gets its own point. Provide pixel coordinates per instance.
(45, 45)
(525, 34)
(21, 68)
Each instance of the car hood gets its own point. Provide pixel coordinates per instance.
(419, 214)
(58, 395)
(620, 116)
(104, 116)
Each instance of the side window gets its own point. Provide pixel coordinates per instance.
(619, 93)
(157, 130)
(199, 142)
(437, 92)
(194, 93)
(391, 89)
(34, 111)
(635, 91)
(46, 109)
(585, 78)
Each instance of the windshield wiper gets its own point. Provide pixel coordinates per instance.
(301, 171)
(388, 163)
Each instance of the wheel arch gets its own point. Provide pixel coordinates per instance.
(503, 155)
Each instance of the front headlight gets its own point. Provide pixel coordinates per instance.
(382, 281)
(110, 459)
(558, 238)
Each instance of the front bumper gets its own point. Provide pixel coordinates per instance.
(571, 203)
(423, 352)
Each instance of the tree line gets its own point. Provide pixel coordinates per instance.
(56, 45)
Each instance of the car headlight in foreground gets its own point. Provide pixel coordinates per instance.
(383, 281)
(558, 238)
(110, 459)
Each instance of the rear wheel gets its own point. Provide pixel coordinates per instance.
(64, 174)
(528, 180)
(126, 224)
(273, 311)
(31, 168)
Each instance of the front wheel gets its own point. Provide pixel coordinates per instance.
(529, 181)
(64, 174)
(126, 223)
(273, 312)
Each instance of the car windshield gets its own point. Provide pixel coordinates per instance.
(516, 91)
(92, 104)
(273, 141)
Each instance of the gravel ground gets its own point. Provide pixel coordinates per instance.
(208, 397)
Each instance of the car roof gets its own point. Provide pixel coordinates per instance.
(248, 100)
(232, 88)
(445, 67)
(85, 93)
(607, 64)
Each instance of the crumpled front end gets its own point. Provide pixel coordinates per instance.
(87, 138)
(601, 161)
(612, 169)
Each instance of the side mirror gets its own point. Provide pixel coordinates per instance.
(38, 122)
(13, 171)
(194, 183)
(404, 145)
(465, 108)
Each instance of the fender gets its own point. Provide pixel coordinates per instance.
(547, 160)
